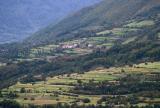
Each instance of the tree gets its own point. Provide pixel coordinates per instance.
(12, 95)
(23, 90)
(79, 81)
(122, 70)
(1, 95)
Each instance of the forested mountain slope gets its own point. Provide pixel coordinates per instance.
(107, 14)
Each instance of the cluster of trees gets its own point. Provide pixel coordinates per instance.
(107, 88)
(119, 100)
(65, 105)
(13, 51)
(14, 104)
(9, 104)
(127, 85)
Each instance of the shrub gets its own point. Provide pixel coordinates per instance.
(79, 81)
(146, 63)
(122, 70)
(9, 104)
(25, 98)
(12, 95)
(1, 95)
(32, 98)
(86, 100)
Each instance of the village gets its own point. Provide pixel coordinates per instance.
(76, 45)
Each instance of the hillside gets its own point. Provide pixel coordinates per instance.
(128, 39)
(107, 14)
(104, 56)
(20, 18)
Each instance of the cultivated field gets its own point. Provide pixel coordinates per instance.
(59, 88)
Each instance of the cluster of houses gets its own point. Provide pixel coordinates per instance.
(76, 45)
(69, 46)
(3, 64)
(64, 46)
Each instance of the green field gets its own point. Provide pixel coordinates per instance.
(122, 31)
(129, 40)
(140, 24)
(117, 31)
(159, 35)
(104, 32)
(155, 65)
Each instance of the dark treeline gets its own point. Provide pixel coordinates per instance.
(127, 85)
(14, 104)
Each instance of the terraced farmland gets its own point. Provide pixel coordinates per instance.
(105, 38)
(64, 88)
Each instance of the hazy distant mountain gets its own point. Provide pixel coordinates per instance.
(20, 18)
(107, 13)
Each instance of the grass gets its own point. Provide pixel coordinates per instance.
(102, 41)
(140, 24)
(104, 32)
(122, 31)
(131, 39)
(117, 31)
(46, 99)
(101, 76)
(74, 41)
(155, 65)
(77, 51)
(97, 40)
(159, 35)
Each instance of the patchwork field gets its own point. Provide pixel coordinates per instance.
(62, 88)
(81, 46)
